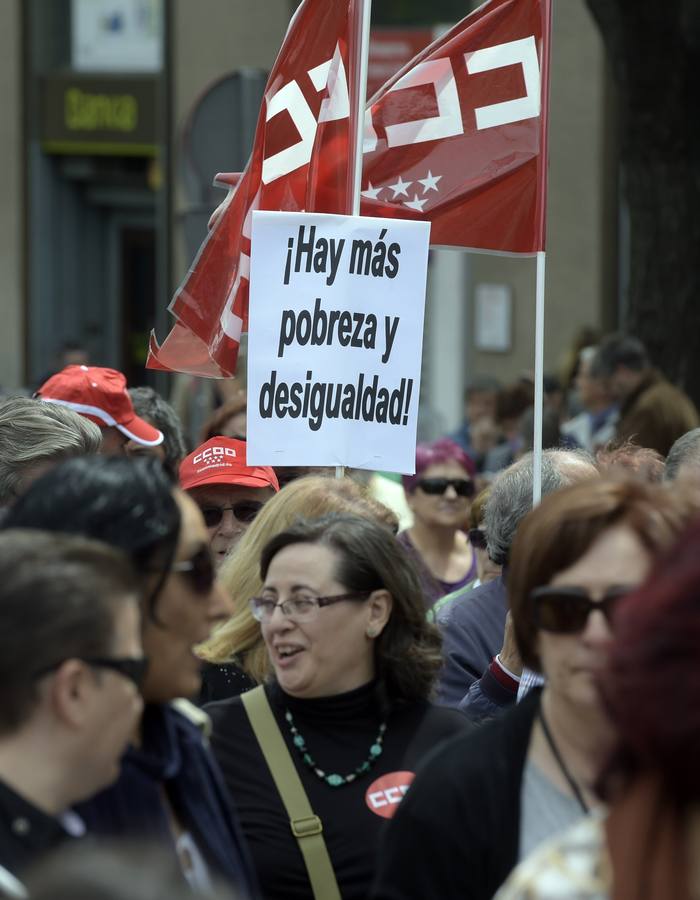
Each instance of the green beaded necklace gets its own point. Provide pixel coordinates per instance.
(335, 780)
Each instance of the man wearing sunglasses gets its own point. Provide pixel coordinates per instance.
(70, 664)
(229, 492)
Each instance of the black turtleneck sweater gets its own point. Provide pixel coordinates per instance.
(338, 732)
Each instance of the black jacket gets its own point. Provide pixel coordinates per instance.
(174, 759)
(27, 834)
(456, 834)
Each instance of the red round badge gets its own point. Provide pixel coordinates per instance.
(384, 795)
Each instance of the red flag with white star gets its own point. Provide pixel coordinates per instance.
(459, 136)
(303, 119)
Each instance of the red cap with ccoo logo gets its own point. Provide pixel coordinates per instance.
(222, 460)
(101, 396)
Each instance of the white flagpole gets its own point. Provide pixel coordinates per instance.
(539, 381)
(360, 103)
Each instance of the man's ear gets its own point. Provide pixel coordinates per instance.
(70, 689)
(379, 608)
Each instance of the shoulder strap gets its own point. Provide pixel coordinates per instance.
(306, 826)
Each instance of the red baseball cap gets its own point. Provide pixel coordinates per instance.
(222, 460)
(101, 396)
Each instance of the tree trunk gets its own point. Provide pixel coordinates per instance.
(654, 50)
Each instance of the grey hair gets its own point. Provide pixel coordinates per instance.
(33, 433)
(151, 406)
(685, 450)
(510, 499)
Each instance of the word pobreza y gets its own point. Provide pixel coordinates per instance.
(349, 329)
(335, 340)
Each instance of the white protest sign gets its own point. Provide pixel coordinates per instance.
(335, 340)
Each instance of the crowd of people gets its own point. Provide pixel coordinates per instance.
(239, 681)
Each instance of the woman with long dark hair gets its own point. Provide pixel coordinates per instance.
(354, 660)
(493, 795)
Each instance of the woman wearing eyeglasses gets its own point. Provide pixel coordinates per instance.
(439, 496)
(170, 789)
(490, 797)
(235, 654)
(354, 659)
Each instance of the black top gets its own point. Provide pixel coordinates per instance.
(457, 833)
(338, 732)
(221, 681)
(26, 833)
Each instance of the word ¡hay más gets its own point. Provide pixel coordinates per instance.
(324, 255)
(319, 400)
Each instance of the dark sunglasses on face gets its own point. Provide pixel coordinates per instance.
(477, 538)
(245, 511)
(566, 610)
(131, 667)
(463, 487)
(199, 570)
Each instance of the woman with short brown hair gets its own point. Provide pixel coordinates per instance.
(491, 796)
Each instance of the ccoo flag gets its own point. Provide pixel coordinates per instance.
(458, 137)
(305, 111)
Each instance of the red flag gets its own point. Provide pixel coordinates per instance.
(459, 136)
(305, 111)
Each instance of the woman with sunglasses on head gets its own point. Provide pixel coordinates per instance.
(354, 659)
(170, 789)
(490, 797)
(439, 496)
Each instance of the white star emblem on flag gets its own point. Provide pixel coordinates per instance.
(401, 187)
(371, 192)
(430, 182)
(415, 203)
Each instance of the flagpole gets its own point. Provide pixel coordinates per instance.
(361, 58)
(539, 381)
(361, 102)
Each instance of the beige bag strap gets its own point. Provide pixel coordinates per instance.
(306, 826)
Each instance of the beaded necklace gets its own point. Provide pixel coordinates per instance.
(334, 779)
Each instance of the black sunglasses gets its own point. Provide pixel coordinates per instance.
(199, 570)
(131, 667)
(463, 487)
(245, 511)
(477, 538)
(566, 610)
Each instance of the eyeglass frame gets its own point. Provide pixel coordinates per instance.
(222, 509)
(318, 603)
(133, 668)
(470, 491)
(605, 605)
(188, 567)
